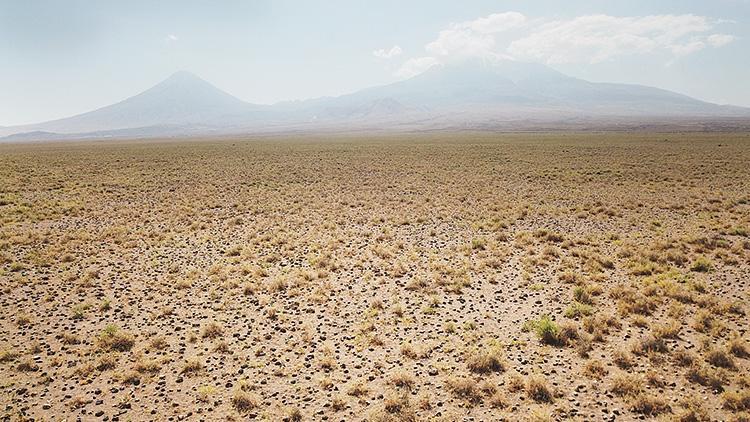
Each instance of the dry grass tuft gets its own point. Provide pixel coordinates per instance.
(112, 338)
(539, 390)
(212, 330)
(649, 405)
(720, 358)
(624, 384)
(245, 402)
(737, 401)
(465, 388)
(487, 359)
(191, 367)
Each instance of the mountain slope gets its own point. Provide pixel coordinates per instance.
(183, 99)
(509, 85)
(467, 95)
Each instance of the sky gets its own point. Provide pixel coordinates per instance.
(61, 58)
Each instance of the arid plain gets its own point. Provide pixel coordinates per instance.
(422, 277)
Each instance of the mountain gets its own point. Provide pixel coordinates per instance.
(181, 100)
(531, 88)
(474, 95)
(508, 95)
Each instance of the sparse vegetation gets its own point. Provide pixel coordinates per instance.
(244, 401)
(701, 265)
(212, 331)
(547, 331)
(464, 388)
(486, 359)
(720, 358)
(624, 384)
(192, 366)
(538, 389)
(115, 339)
(482, 276)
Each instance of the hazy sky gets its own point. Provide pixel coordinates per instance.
(63, 57)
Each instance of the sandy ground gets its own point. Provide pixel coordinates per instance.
(467, 277)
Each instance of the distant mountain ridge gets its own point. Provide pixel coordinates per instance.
(468, 95)
(183, 98)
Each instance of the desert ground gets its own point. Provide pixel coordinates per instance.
(481, 277)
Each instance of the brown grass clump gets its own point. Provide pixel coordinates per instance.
(106, 362)
(705, 321)
(649, 405)
(738, 347)
(638, 304)
(147, 366)
(624, 384)
(498, 401)
(655, 379)
(396, 407)
(465, 388)
(70, 339)
(212, 330)
(582, 295)
(130, 377)
(192, 366)
(595, 369)
(515, 383)
(650, 344)
(205, 392)
(338, 404)
(358, 389)
(538, 389)
(707, 377)
(293, 415)
(622, 359)
(158, 343)
(410, 351)
(488, 359)
(670, 329)
(112, 338)
(737, 401)
(244, 402)
(599, 326)
(693, 411)
(402, 379)
(327, 362)
(8, 355)
(684, 358)
(720, 358)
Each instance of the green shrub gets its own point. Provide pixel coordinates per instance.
(547, 330)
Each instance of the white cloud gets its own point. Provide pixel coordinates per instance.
(691, 47)
(460, 43)
(415, 66)
(583, 39)
(598, 38)
(171, 38)
(496, 22)
(387, 54)
(720, 40)
(474, 38)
